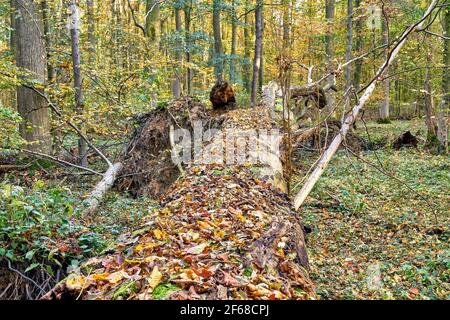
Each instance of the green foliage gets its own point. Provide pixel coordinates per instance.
(9, 129)
(37, 227)
(162, 291)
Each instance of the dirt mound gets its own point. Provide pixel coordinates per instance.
(148, 167)
(220, 234)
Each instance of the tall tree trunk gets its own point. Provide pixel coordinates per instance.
(218, 48)
(151, 19)
(177, 80)
(445, 103)
(429, 105)
(261, 63)
(258, 51)
(12, 40)
(247, 50)
(329, 46)
(187, 31)
(30, 55)
(286, 23)
(234, 22)
(91, 30)
(349, 49)
(76, 60)
(51, 71)
(385, 105)
(358, 48)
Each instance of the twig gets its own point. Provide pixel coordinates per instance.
(49, 157)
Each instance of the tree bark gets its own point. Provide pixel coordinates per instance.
(385, 105)
(349, 49)
(358, 48)
(30, 55)
(218, 48)
(91, 30)
(187, 31)
(329, 45)
(76, 60)
(177, 80)
(234, 22)
(247, 50)
(429, 105)
(51, 72)
(258, 52)
(152, 19)
(445, 103)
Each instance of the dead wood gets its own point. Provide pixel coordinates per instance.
(314, 94)
(407, 139)
(222, 96)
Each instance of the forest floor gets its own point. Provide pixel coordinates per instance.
(372, 236)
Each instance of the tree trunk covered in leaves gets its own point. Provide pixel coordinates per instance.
(30, 55)
(218, 48)
(258, 51)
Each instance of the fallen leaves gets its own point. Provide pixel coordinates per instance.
(203, 238)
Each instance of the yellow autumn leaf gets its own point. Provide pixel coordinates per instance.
(143, 246)
(155, 278)
(100, 276)
(159, 234)
(75, 282)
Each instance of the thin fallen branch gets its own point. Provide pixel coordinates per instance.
(51, 158)
(334, 146)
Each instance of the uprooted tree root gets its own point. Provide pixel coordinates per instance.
(148, 168)
(220, 234)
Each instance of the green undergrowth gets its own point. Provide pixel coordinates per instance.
(380, 222)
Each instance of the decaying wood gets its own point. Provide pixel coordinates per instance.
(315, 94)
(407, 139)
(330, 152)
(222, 96)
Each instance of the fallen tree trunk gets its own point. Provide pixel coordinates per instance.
(330, 152)
(224, 230)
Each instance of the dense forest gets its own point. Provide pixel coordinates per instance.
(224, 149)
